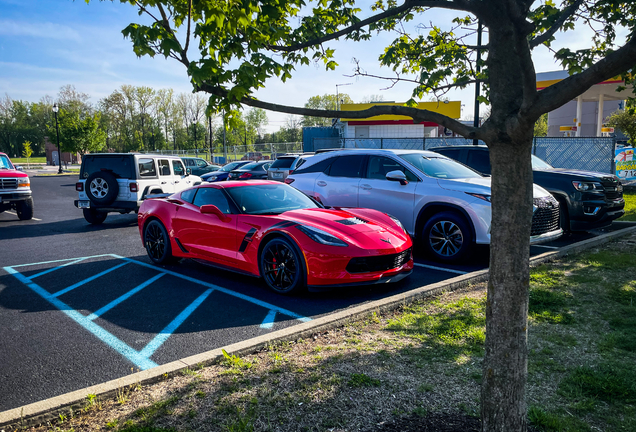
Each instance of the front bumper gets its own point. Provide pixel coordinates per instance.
(14, 196)
(383, 280)
(592, 214)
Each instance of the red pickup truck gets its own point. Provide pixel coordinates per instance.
(15, 189)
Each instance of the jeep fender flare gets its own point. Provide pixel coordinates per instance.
(149, 189)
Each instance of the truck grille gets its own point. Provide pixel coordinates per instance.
(378, 263)
(610, 185)
(8, 183)
(546, 216)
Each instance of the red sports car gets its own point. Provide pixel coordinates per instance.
(269, 229)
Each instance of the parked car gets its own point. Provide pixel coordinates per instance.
(587, 199)
(252, 156)
(224, 172)
(251, 171)
(199, 166)
(15, 189)
(440, 202)
(269, 229)
(119, 182)
(286, 164)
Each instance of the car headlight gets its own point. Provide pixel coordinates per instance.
(480, 196)
(587, 186)
(397, 222)
(320, 236)
(24, 182)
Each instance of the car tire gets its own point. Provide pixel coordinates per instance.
(102, 187)
(282, 267)
(94, 217)
(24, 209)
(157, 243)
(446, 237)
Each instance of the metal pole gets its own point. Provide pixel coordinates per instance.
(478, 69)
(59, 149)
(224, 141)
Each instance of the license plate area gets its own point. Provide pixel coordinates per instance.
(83, 204)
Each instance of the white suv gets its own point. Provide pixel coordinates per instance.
(440, 202)
(119, 182)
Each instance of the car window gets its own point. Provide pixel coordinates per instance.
(120, 166)
(147, 168)
(5, 163)
(347, 166)
(250, 166)
(380, 166)
(188, 195)
(178, 168)
(266, 166)
(208, 195)
(283, 162)
(439, 167)
(164, 167)
(479, 160)
(201, 163)
(538, 163)
(450, 152)
(269, 199)
(316, 167)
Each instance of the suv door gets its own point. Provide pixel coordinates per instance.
(181, 179)
(376, 192)
(337, 186)
(166, 179)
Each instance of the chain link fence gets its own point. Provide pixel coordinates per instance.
(255, 152)
(585, 153)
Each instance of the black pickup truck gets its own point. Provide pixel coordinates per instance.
(588, 200)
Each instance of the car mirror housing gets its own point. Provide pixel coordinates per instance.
(397, 175)
(212, 209)
(188, 171)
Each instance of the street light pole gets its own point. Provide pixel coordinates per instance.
(57, 130)
(338, 95)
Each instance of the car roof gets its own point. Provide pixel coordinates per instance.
(465, 146)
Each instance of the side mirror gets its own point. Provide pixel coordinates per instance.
(397, 175)
(19, 167)
(212, 209)
(188, 171)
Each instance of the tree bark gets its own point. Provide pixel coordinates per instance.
(503, 407)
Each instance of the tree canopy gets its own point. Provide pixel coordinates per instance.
(231, 48)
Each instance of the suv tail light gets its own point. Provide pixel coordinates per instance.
(79, 187)
(289, 181)
(245, 176)
(134, 187)
(290, 172)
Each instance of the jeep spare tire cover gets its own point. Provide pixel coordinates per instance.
(102, 187)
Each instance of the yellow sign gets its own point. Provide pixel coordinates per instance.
(448, 108)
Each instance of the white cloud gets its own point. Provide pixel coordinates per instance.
(38, 30)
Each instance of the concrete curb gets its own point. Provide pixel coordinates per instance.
(42, 411)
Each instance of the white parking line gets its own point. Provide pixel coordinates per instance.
(15, 214)
(441, 268)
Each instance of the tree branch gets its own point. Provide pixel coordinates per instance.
(568, 89)
(187, 43)
(567, 13)
(408, 4)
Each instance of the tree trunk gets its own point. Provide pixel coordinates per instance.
(503, 407)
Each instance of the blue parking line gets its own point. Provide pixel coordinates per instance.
(126, 296)
(56, 268)
(85, 281)
(154, 344)
(109, 339)
(62, 260)
(268, 322)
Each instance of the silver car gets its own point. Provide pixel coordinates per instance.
(286, 164)
(442, 203)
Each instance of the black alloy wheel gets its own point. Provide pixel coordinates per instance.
(281, 267)
(446, 237)
(157, 243)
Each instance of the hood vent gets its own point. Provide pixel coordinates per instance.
(353, 221)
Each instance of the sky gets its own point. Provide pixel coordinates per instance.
(46, 44)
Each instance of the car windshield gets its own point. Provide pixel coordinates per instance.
(283, 162)
(229, 167)
(250, 166)
(439, 167)
(5, 163)
(540, 163)
(269, 199)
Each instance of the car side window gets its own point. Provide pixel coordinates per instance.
(479, 160)
(164, 167)
(451, 153)
(147, 168)
(201, 163)
(208, 195)
(188, 195)
(380, 166)
(178, 168)
(347, 166)
(321, 166)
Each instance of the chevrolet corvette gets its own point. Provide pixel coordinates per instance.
(269, 229)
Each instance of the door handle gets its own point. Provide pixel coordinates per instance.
(365, 187)
(176, 181)
(321, 183)
(164, 182)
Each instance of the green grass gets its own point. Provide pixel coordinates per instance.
(630, 206)
(33, 160)
(362, 380)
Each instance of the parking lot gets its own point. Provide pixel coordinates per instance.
(82, 304)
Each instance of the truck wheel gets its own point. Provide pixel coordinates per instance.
(102, 187)
(446, 237)
(24, 209)
(94, 217)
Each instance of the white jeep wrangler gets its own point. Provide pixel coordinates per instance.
(119, 182)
